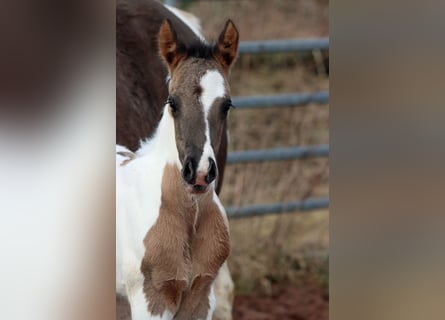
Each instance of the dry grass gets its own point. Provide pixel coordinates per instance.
(274, 248)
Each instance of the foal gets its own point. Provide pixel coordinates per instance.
(172, 231)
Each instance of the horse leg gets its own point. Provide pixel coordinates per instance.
(224, 294)
(123, 310)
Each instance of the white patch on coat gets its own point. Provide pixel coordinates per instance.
(120, 157)
(212, 303)
(139, 310)
(221, 208)
(138, 201)
(212, 84)
(224, 287)
(163, 143)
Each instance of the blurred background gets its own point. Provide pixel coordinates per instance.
(57, 136)
(279, 262)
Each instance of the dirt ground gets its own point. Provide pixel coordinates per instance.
(287, 302)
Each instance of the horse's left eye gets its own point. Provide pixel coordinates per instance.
(227, 105)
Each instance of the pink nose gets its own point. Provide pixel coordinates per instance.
(201, 180)
(201, 184)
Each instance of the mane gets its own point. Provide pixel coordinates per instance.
(199, 49)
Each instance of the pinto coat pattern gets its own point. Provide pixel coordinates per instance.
(172, 231)
(182, 252)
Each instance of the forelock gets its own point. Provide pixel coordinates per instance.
(201, 50)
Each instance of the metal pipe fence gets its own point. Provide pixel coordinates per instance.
(277, 154)
(281, 100)
(281, 207)
(284, 45)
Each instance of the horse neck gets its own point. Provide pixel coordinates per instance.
(162, 144)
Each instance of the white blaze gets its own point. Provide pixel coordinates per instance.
(212, 84)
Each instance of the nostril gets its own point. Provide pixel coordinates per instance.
(212, 171)
(188, 171)
(199, 188)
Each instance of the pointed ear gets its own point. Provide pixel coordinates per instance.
(227, 46)
(170, 48)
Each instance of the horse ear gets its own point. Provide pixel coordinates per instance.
(227, 46)
(169, 46)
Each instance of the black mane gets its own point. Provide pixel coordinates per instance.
(200, 50)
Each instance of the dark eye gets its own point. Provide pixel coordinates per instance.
(172, 103)
(226, 106)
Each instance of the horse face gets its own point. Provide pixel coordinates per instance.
(199, 100)
(199, 104)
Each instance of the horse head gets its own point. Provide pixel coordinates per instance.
(199, 100)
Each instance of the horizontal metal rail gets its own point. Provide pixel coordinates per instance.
(281, 207)
(283, 100)
(280, 100)
(278, 154)
(284, 45)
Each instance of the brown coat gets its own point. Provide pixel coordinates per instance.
(184, 250)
